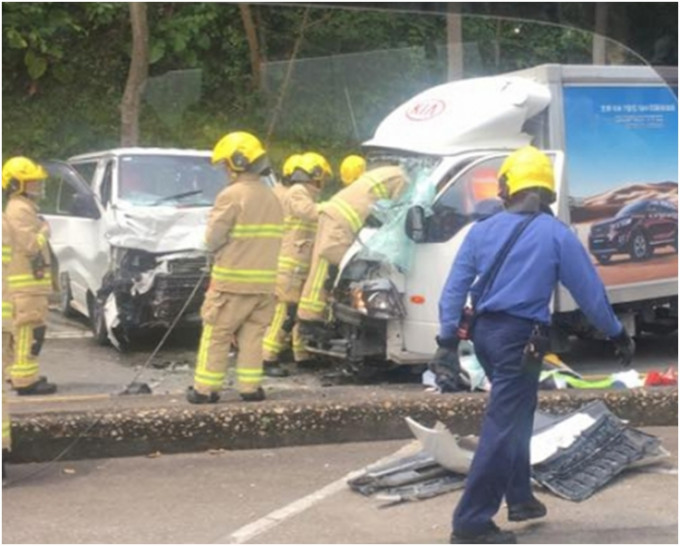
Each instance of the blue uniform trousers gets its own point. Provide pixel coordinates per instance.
(501, 465)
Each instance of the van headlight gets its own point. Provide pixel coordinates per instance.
(377, 298)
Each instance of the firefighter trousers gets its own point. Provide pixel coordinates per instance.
(232, 319)
(501, 464)
(277, 339)
(30, 314)
(7, 359)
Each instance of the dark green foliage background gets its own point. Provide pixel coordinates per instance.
(65, 67)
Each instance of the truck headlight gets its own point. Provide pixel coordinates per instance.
(377, 298)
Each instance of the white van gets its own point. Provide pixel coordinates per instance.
(127, 227)
(612, 133)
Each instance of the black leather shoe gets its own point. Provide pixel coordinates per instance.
(527, 510)
(41, 386)
(274, 369)
(195, 397)
(492, 536)
(256, 396)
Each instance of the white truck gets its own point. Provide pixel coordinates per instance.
(612, 132)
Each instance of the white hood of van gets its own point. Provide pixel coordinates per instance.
(476, 113)
(156, 229)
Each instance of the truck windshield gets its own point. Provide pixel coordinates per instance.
(153, 180)
(418, 167)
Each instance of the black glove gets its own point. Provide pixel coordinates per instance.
(446, 366)
(624, 347)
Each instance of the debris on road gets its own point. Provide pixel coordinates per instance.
(572, 455)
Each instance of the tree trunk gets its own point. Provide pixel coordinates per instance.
(454, 34)
(137, 76)
(253, 45)
(600, 36)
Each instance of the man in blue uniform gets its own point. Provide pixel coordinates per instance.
(513, 309)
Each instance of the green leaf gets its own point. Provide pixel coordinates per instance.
(36, 65)
(16, 40)
(157, 52)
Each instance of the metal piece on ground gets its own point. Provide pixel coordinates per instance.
(442, 446)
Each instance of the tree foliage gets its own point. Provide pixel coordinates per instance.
(65, 66)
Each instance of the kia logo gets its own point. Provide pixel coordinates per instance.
(425, 110)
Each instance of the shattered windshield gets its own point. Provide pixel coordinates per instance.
(152, 180)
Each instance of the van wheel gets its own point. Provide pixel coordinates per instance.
(98, 321)
(639, 247)
(65, 296)
(603, 259)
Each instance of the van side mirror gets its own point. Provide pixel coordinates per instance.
(416, 224)
(84, 205)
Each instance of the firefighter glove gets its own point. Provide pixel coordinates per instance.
(624, 347)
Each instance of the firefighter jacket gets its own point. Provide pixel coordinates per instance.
(300, 221)
(6, 259)
(30, 266)
(244, 231)
(352, 205)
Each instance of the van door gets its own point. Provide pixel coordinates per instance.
(464, 196)
(75, 217)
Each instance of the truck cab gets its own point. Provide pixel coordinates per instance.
(451, 140)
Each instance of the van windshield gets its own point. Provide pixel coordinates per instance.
(149, 180)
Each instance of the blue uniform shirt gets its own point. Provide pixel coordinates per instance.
(545, 253)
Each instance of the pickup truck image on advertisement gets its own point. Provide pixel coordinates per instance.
(612, 135)
(636, 230)
(127, 227)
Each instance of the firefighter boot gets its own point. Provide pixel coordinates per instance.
(527, 510)
(256, 396)
(491, 536)
(274, 369)
(41, 386)
(195, 397)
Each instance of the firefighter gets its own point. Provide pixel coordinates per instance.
(29, 273)
(339, 221)
(351, 168)
(244, 232)
(301, 213)
(7, 342)
(510, 335)
(281, 188)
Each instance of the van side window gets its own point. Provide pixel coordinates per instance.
(107, 184)
(86, 170)
(472, 195)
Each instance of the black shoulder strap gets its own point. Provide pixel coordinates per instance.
(487, 279)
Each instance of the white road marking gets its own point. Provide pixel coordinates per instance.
(275, 518)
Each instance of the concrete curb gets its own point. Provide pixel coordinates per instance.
(144, 425)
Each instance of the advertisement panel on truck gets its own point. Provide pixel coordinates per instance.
(621, 144)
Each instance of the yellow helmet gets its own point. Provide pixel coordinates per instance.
(316, 166)
(351, 168)
(527, 168)
(291, 163)
(19, 170)
(239, 149)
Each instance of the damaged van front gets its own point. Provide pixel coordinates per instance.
(127, 227)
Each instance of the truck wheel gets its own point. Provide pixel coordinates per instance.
(65, 296)
(98, 322)
(639, 247)
(603, 259)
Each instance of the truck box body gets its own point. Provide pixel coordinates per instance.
(612, 135)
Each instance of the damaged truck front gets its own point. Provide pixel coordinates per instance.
(127, 227)
(452, 139)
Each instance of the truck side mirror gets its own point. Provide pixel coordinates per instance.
(84, 205)
(416, 224)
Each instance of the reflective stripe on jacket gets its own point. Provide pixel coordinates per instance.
(7, 307)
